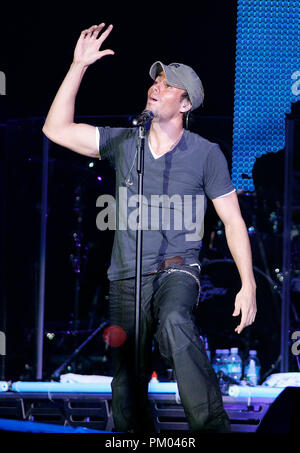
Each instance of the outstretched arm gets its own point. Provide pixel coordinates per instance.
(228, 210)
(59, 125)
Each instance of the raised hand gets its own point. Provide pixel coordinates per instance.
(87, 49)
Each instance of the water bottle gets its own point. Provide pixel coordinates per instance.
(223, 372)
(154, 378)
(206, 346)
(252, 368)
(217, 360)
(171, 375)
(207, 350)
(224, 361)
(234, 365)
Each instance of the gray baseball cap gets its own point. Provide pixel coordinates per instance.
(181, 76)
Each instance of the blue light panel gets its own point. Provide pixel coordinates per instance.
(267, 81)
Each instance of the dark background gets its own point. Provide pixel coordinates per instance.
(41, 40)
(38, 44)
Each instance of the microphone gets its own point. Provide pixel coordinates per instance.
(145, 117)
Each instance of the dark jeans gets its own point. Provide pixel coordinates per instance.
(167, 305)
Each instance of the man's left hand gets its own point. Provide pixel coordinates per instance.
(245, 304)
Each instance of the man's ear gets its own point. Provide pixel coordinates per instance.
(185, 106)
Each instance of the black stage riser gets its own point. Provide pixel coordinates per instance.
(94, 411)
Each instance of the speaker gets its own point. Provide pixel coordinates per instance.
(283, 414)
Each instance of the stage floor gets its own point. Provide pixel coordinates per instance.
(92, 409)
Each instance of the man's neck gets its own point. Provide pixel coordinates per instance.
(164, 137)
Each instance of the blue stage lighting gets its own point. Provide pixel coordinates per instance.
(267, 81)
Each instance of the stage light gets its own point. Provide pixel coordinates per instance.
(50, 335)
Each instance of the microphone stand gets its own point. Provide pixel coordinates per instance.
(138, 266)
(56, 373)
(144, 119)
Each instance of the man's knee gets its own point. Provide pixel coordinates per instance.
(175, 332)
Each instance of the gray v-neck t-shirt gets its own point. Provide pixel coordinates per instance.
(175, 187)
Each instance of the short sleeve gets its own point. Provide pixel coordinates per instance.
(105, 137)
(217, 180)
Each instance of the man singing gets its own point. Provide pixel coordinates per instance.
(177, 163)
